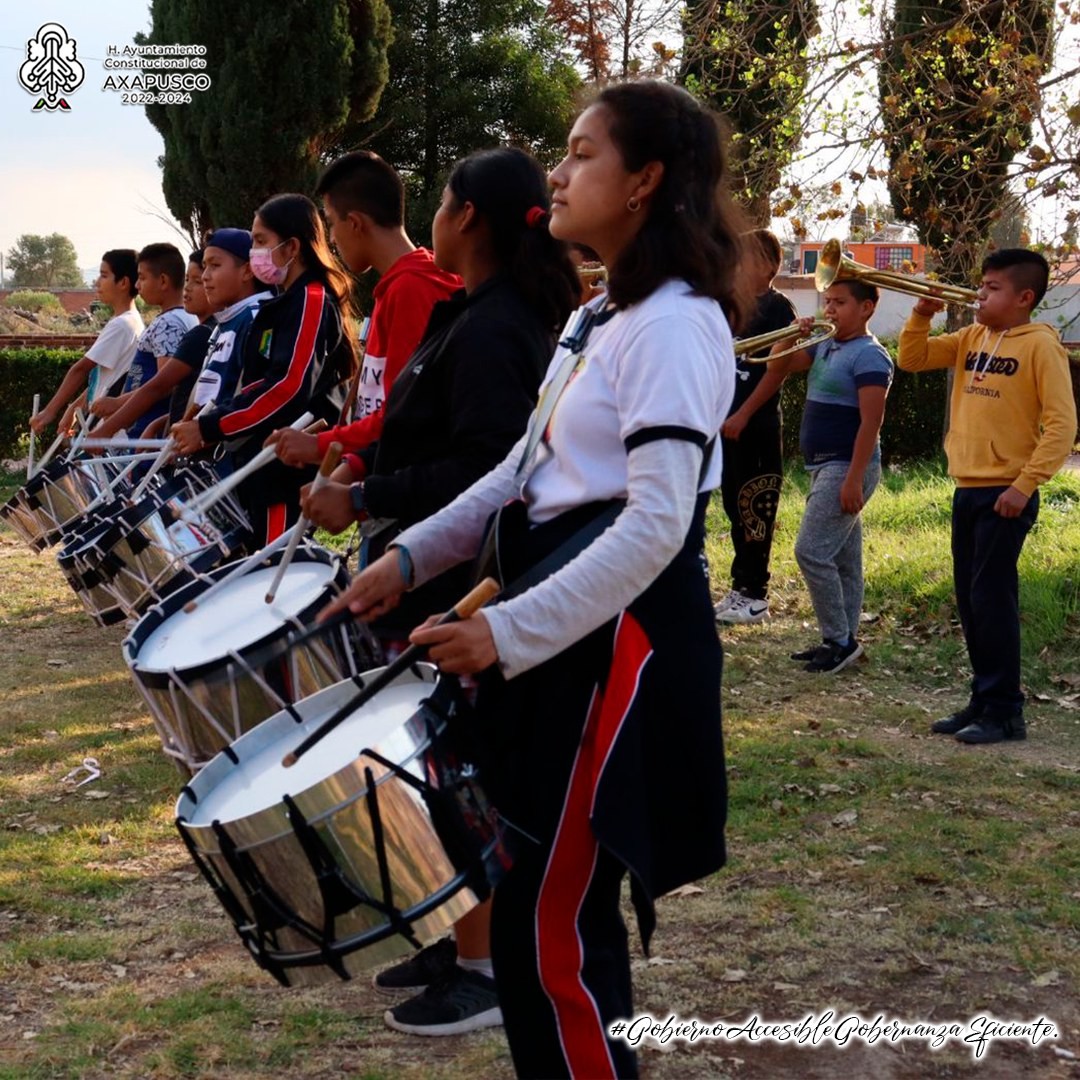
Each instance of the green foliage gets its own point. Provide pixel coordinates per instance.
(914, 414)
(957, 105)
(285, 85)
(465, 76)
(33, 301)
(749, 62)
(48, 261)
(24, 373)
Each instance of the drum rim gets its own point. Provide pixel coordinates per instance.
(174, 601)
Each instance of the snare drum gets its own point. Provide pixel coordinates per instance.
(380, 837)
(100, 601)
(212, 674)
(149, 552)
(48, 498)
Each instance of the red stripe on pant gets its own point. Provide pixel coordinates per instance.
(572, 862)
(275, 521)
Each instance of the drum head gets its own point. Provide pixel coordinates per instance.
(258, 780)
(234, 617)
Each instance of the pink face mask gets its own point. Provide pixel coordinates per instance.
(264, 267)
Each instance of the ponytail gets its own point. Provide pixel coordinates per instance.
(510, 193)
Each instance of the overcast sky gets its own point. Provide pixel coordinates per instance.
(91, 173)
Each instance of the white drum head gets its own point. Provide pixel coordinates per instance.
(261, 781)
(233, 618)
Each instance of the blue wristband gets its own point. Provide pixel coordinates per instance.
(405, 565)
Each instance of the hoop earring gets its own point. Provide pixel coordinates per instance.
(633, 204)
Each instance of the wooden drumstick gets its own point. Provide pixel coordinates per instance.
(30, 459)
(329, 464)
(463, 609)
(219, 491)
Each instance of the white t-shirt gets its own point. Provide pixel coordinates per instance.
(661, 368)
(112, 352)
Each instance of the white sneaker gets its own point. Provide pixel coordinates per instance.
(745, 609)
(723, 604)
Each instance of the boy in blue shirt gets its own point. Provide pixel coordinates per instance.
(845, 405)
(161, 284)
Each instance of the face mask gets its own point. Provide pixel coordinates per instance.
(264, 267)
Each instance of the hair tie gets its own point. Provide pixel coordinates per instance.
(535, 216)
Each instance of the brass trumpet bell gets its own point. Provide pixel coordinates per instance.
(820, 331)
(833, 267)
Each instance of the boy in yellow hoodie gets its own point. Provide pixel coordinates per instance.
(1012, 424)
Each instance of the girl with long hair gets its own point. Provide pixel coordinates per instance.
(296, 355)
(599, 686)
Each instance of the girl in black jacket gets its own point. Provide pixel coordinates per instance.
(464, 397)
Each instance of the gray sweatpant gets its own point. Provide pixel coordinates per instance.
(829, 550)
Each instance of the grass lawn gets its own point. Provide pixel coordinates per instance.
(874, 869)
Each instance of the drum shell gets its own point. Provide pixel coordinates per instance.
(28, 513)
(431, 888)
(242, 689)
(97, 597)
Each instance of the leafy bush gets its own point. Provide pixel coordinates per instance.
(33, 301)
(24, 373)
(914, 414)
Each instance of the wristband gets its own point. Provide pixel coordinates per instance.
(356, 497)
(405, 565)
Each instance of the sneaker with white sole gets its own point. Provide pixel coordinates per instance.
(744, 609)
(458, 1002)
(724, 603)
(419, 970)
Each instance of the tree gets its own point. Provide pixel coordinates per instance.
(619, 39)
(286, 83)
(464, 76)
(748, 60)
(959, 88)
(45, 262)
(585, 24)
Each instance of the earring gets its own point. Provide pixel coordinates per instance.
(633, 204)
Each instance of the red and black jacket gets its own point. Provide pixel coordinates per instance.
(295, 357)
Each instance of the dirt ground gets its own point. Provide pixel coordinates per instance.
(721, 953)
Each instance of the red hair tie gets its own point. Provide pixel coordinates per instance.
(535, 216)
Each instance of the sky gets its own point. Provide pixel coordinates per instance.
(91, 173)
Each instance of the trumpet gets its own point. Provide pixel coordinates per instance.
(820, 331)
(833, 267)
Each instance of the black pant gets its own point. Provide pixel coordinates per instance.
(558, 1002)
(753, 472)
(985, 548)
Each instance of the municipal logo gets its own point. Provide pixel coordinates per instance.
(51, 69)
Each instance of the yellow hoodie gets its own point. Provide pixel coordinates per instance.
(1012, 417)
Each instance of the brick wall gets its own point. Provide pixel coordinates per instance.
(47, 341)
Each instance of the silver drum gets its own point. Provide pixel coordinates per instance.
(377, 839)
(213, 673)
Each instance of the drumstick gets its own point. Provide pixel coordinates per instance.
(114, 443)
(48, 455)
(219, 491)
(329, 464)
(463, 609)
(30, 459)
(238, 570)
(84, 430)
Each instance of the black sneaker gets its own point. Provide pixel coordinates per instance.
(458, 1002)
(805, 654)
(420, 970)
(957, 721)
(830, 657)
(990, 728)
